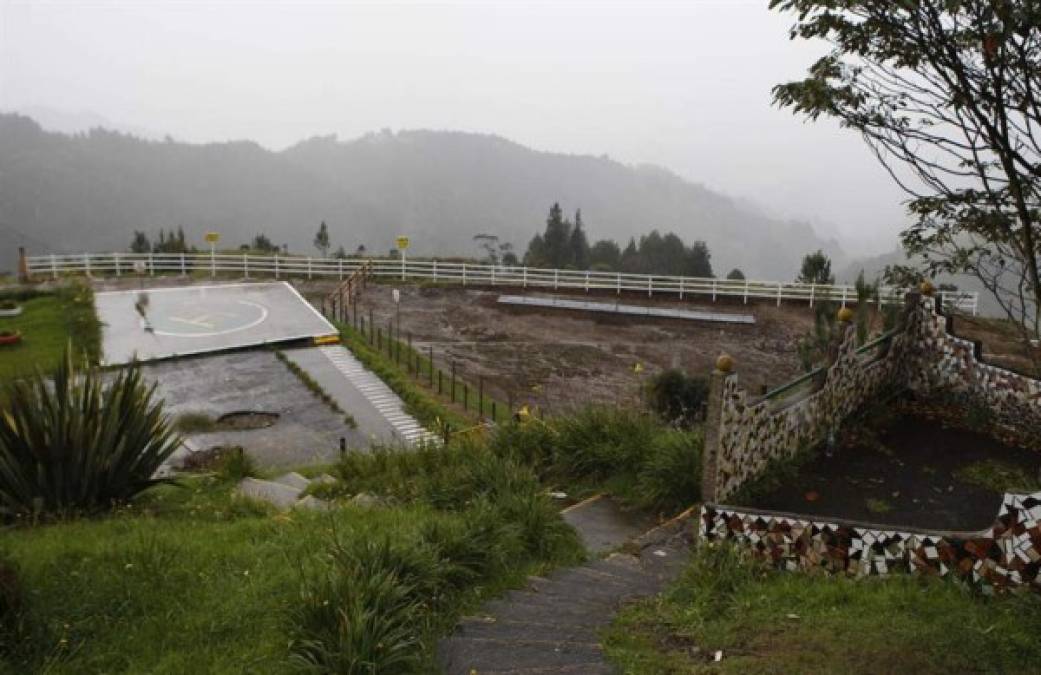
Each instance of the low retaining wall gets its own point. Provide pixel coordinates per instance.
(1006, 555)
(942, 363)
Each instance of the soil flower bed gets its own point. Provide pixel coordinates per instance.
(905, 471)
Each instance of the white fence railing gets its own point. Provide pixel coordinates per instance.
(248, 266)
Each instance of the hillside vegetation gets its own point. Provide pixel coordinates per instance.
(92, 191)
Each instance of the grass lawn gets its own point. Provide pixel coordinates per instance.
(766, 621)
(189, 579)
(47, 323)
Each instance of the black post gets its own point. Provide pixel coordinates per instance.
(390, 340)
(372, 327)
(466, 396)
(354, 303)
(480, 396)
(408, 352)
(494, 421)
(439, 388)
(431, 366)
(453, 381)
(379, 339)
(362, 327)
(343, 448)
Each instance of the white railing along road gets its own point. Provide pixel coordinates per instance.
(248, 266)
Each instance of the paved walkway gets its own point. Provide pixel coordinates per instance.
(553, 625)
(379, 412)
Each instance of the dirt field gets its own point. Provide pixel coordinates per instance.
(558, 359)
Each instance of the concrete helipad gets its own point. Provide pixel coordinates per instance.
(198, 319)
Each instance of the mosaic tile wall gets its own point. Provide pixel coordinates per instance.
(943, 363)
(752, 433)
(1006, 555)
(748, 432)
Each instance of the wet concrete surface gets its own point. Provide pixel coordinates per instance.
(603, 525)
(307, 430)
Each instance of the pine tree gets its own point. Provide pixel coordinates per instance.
(579, 245)
(630, 261)
(140, 243)
(321, 240)
(557, 238)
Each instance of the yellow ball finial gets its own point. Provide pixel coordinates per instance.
(845, 315)
(927, 288)
(724, 363)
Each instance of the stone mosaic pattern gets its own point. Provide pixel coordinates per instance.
(1005, 556)
(752, 433)
(943, 363)
(925, 358)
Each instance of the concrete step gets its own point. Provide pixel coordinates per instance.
(474, 627)
(464, 655)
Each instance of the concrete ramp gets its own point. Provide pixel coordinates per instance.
(629, 310)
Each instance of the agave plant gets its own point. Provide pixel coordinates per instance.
(73, 444)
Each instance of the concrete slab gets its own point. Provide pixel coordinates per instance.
(189, 320)
(281, 496)
(617, 308)
(603, 525)
(307, 430)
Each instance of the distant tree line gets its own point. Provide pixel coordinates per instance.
(166, 242)
(564, 245)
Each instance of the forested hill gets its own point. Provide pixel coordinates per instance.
(91, 191)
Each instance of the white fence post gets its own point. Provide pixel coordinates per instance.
(746, 291)
(118, 271)
(245, 265)
(587, 281)
(276, 265)
(525, 277)
(713, 290)
(464, 274)
(308, 267)
(650, 285)
(778, 293)
(813, 289)
(556, 274)
(618, 285)
(54, 267)
(844, 289)
(86, 263)
(681, 287)
(435, 270)
(339, 266)
(493, 275)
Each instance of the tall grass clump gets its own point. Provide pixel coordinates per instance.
(626, 452)
(73, 444)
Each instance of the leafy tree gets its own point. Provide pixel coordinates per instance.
(536, 255)
(506, 254)
(605, 255)
(736, 275)
(361, 250)
(321, 240)
(489, 243)
(677, 397)
(579, 245)
(816, 269)
(140, 243)
(263, 244)
(947, 94)
(340, 253)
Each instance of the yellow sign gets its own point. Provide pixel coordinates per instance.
(212, 237)
(402, 243)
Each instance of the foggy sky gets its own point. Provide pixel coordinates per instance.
(685, 85)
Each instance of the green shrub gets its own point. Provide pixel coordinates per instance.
(234, 465)
(194, 423)
(670, 479)
(358, 614)
(676, 397)
(75, 444)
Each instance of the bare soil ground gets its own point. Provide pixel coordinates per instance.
(1002, 345)
(560, 359)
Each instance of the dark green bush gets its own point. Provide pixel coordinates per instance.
(75, 444)
(677, 397)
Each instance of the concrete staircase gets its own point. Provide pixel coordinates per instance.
(552, 625)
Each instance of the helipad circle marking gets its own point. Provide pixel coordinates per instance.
(236, 329)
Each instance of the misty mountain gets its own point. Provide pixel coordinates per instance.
(90, 191)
